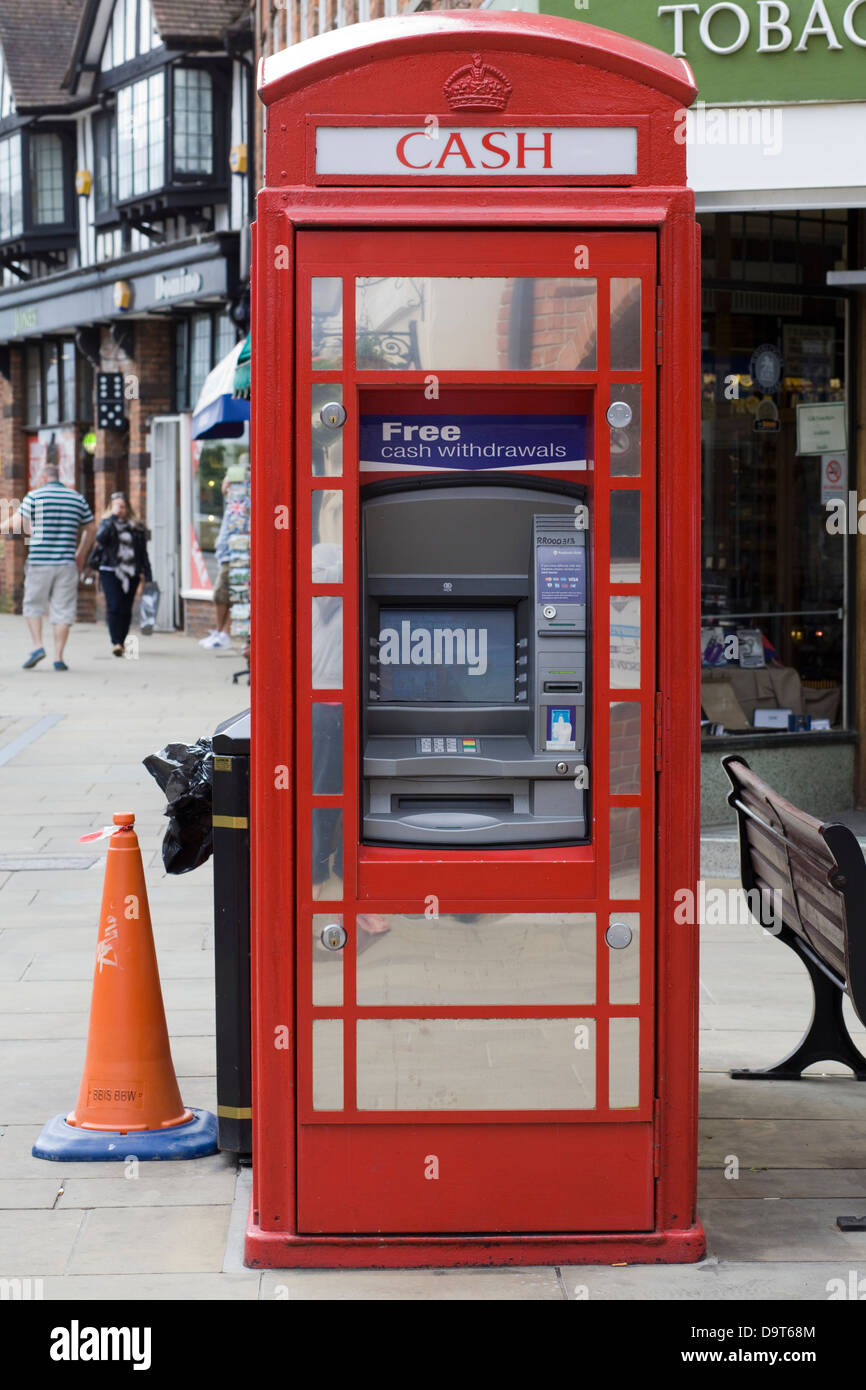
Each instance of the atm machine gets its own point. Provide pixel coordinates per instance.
(474, 675)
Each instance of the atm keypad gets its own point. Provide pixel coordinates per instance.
(446, 743)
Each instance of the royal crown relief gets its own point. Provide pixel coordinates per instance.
(477, 87)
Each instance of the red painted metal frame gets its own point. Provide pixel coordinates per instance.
(665, 205)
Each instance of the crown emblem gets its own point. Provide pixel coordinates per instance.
(477, 87)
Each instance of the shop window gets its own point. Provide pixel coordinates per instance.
(33, 359)
(52, 373)
(779, 248)
(774, 624)
(200, 353)
(66, 350)
(85, 386)
(213, 462)
(51, 381)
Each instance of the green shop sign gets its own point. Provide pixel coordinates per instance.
(750, 50)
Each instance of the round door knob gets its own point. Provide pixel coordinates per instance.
(334, 936)
(618, 936)
(333, 415)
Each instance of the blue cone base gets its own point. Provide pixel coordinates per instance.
(68, 1144)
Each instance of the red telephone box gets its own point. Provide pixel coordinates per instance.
(475, 710)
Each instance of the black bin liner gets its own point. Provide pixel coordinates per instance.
(185, 774)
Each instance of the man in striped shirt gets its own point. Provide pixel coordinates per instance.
(53, 516)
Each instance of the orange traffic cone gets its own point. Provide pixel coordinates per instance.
(129, 1086)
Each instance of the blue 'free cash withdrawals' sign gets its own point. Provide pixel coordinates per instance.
(408, 443)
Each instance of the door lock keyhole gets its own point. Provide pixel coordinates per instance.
(333, 415)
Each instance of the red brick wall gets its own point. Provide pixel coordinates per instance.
(561, 330)
(199, 617)
(13, 478)
(624, 747)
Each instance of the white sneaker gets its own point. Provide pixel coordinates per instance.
(209, 640)
(221, 639)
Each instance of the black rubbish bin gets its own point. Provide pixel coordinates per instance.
(231, 887)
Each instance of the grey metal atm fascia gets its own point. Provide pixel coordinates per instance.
(525, 791)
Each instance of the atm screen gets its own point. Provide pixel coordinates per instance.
(460, 655)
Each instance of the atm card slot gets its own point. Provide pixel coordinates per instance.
(563, 687)
(473, 805)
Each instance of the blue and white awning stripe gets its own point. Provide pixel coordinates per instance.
(218, 414)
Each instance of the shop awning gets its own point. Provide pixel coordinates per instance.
(218, 413)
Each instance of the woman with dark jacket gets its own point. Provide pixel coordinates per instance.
(120, 556)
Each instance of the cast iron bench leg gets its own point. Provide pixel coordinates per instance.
(827, 1038)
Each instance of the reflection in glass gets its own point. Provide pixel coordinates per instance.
(625, 325)
(623, 964)
(625, 444)
(625, 641)
(327, 662)
(326, 323)
(476, 1064)
(481, 958)
(327, 444)
(327, 552)
(327, 1064)
(328, 853)
(463, 323)
(625, 746)
(220, 497)
(327, 965)
(625, 536)
(327, 750)
(624, 1064)
(625, 851)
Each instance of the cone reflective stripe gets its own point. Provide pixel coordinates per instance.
(128, 1087)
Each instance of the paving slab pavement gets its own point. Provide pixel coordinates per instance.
(91, 1232)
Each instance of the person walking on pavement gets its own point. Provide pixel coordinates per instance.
(53, 515)
(120, 556)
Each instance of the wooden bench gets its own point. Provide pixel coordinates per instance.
(818, 874)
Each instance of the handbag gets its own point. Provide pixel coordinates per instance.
(148, 607)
